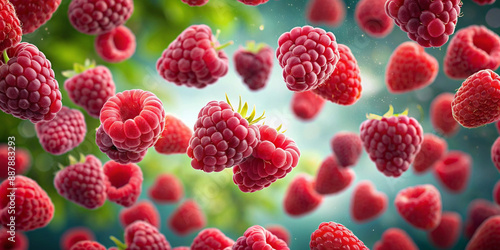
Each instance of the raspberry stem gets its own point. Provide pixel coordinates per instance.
(5, 56)
(216, 38)
(388, 114)
(119, 244)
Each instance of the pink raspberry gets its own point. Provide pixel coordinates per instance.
(87, 245)
(308, 57)
(142, 235)
(167, 188)
(181, 248)
(34, 13)
(21, 163)
(280, 232)
(495, 153)
(10, 31)
(394, 239)
(28, 88)
(472, 49)
(331, 178)
(441, 115)
(254, 64)
(20, 241)
(478, 211)
(175, 137)
(453, 171)
(143, 211)
(194, 58)
(420, 206)
(123, 182)
(257, 237)
(347, 147)
(195, 2)
(187, 218)
(331, 235)
(487, 235)
(484, 2)
(496, 193)
(253, 2)
(446, 234)
(430, 23)
(433, 149)
(74, 235)
(300, 196)
(116, 45)
(367, 203)
(306, 105)
(105, 144)
(329, 12)
(371, 18)
(211, 239)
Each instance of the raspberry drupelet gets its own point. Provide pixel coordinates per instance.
(34, 13)
(395, 238)
(10, 27)
(331, 235)
(116, 45)
(211, 239)
(254, 64)
(87, 244)
(175, 137)
(371, 18)
(142, 235)
(257, 237)
(121, 156)
(420, 206)
(280, 232)
(306, 105)
(328, 12)
(123, 182)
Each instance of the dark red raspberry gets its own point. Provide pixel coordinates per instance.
(143, 210)
(347, 147)
(496, 193)
(253, 2)
(63, 133)
(133, 119)
(395, 239)
(332, 178)
(487, 235)
(175, 137)
(21, 163)
(28, 88)
(307, 105)
(344, 85)
(95, 17)
(167, 188)
(430, 23)
(300, 197)
(371, 18)
(495, 153)
(88, 245)
(257, 237)
(331, 235)
(433, 148)
(10, 31)
(121, 156)
(142, 235)
(34, 13)
(367, 203)
(195, 2)
(472, 49)
(446, 234)
(211, 239)
(280, 232)
(254, 64)
(123, 182)
(194, 58)
(273, 158)
(420, 206)
(484, 2)
(329, 12)
(308, 57)
(116, 45)
(34, 209)
(478, 211)
(410, 68)
(74, 235)
(188, 217)
(441, 115)
(17, 242)
(90, 88)
(453, 171)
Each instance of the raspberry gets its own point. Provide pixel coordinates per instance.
(478, 211)
(95, 17)
(253, 2)
(175, 137)
(306, 105)
(410, 68)
(273, 158)
(329, 12)
(74, 235)
(347, 147)
(123, 182)
(472, 49)
(28, 88)
(366, 203)
(83, 182)
(394, 239)
(495, 153)
(332, 178)
(34, 13)
(167, 188)
(34, 209)
(143, 210)
(194, 58)
(475, 103)
(188, 217)
(193, 3)
(64, 133)
(484, 2)
(280, 232)
(257, 237)
(487, 236)
(420, 206)
(211, 239)
(308, 57)
(90, 88)
(87, 245)
(133, 119)
(181, 248)
(331, 235)
(10, 32)
(116, 45)
(121, 156)
(344, 85)
(391, 141)
(428, 23)
(21, 163)
(441, 115)
(254, 64)
(433, 148)
(496, 193)
(371, 18)
(453, 171)
(446, 234)
(20, 241)
(300, 196)
(142, 235)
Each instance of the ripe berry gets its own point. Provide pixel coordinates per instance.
(280, 232)
(478, 211)
(308, 57)
(394, 239)
(143, 210)
(193, 3)
(121, 156)
(347, 147)
(116, 45)
(329, 12)
(21, 163)
(188, 217)
(331, 235)
(300, 196)
(441, 115)
(253, 2)
(211, 239)
(182, 248)
(331, 178)
(10, 31)
(496, 193)
(17, 242)
(366, 203)
(34, 13)
(254, 64)
(484, 2)
(257, 237)
(446, 234)
(123, 182)
(175, 137)
(420, 206)
(306, 105)
(453, 171)
(433, 148)
(87, 245)
(74, 235)
(142, 235)
(371, 18)
(487, 235)
(495, 153)
(167, 188)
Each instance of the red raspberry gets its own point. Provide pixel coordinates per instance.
(487, 236)
(87, 245)
(74, 235)
(95, 17)
(195, 2)
(307, 105)
(34, 209)
(347, 147)
(83, 183)
(371, 18)
(331, 235)
(495, 153)
(420, 206)
(188, 217)
(472, 49)
(253, 2)
(211, 239)
(331, 177)
(496, 193)
(446, 234)
(123, 182)
(142, 235)
(28, 88)
(366, 203)
(116, 45)
(273, 158)
(428, 23)
(329, 12)
(167, 188)
(21, 163)
(453, 171)
(395, 239)
(478, 211)
(484, 2)
(133, 119)
(20, 241)
(10, 31)
(181, 248)
(175, 137)
(300, 196)
(254, 64)
(194, 58)
(280, 232)
(441, 115)
(410, 68)
(257, 237)
(91, 88)
(34, 13)
(475, 103)
(344, 85)
(308, 57)
(143, 210)
(121, 156)
(433, 148)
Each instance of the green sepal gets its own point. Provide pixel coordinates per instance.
(119, 244)
(5, 56)
(78, 68)
(253, 47)
(216, 38)
(387, 114)
(243, 110)
(60, 166)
